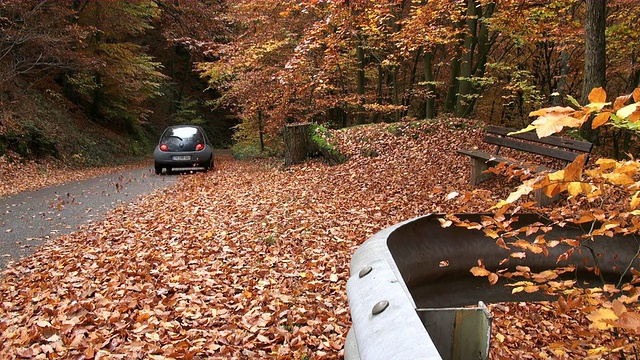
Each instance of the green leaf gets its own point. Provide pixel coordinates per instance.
(574, 101)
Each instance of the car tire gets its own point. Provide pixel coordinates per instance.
(208, 166)
(158, 169)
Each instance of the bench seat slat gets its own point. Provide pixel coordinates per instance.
(493, 159)
(531, 148)
(571, 144)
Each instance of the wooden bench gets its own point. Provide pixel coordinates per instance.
(554, 147)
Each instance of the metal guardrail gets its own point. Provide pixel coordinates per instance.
(404, 305)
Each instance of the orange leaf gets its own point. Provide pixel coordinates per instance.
(600, 120)
(493, 278)
(620, 101)
(478, 271)
(636, 94)
(629, 320)
(597, 95)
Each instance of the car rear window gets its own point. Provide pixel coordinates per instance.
(182, 138)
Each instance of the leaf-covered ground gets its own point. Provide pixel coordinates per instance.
(17, 174)
(251, 260)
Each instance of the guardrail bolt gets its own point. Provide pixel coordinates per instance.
(365, 271)
(380, 307)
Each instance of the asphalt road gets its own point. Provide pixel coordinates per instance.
(30, 218)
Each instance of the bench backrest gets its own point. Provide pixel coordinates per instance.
(551, 146)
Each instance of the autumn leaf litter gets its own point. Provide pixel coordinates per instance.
(248, 261)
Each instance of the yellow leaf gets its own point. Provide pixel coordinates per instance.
(598, 351)
(445, 223)
(601, 319)
(605, 163)
(627, 110)
(635, 201)
(548, 124)
(619, 179)
(491, 233)
(522, 131)
(574, 188)
(499, 205)
(553, 189)
(556, 109)
(523, 189)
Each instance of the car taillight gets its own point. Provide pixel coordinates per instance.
(164, 147)
(199, 147)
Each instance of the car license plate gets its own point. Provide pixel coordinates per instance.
(181, 158)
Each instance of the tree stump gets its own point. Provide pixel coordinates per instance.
(296, 143)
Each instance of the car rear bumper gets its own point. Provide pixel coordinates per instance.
(196, 158)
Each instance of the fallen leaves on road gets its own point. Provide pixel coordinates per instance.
(17, 175)
(248, 261)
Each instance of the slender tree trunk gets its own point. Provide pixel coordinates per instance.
(450, 100)
(483, 47)
(183, 81)
(380, 82)
(431, 88)
(561, 87)
(172, 95)
(470, 40)
(396, 92)
(361, 83)
(412, 80)
(634, 76)
(260, 130)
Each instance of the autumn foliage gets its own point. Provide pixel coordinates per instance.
(604, 196)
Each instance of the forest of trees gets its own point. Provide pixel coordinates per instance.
(262, 64)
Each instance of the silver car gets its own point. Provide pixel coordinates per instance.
(183, 148)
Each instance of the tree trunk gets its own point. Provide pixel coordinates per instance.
(633, 80)
(431, 88)
(361, 83)
(450, 100)
(380, 81)
(594, 56)
(561, 87)
(464, 85)
(261, 131)
(595, 47)
(483, 46)
(296, 143)
(396, 96)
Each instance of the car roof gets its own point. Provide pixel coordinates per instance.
(183, 126)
